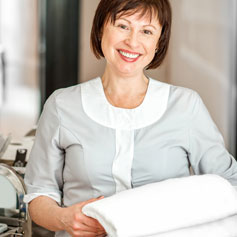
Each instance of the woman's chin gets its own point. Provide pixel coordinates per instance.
(129, 71)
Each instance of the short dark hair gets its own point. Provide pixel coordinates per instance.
(109, 9)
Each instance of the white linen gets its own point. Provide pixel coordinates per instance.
(165, 206)
(226, 227)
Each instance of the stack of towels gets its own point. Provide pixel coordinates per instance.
(200, 205)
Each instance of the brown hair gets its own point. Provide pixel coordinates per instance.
(109, 9)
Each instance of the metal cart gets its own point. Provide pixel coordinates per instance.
(17, 219)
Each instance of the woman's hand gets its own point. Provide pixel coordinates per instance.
(78, 224)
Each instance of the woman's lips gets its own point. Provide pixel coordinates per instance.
(128, 56)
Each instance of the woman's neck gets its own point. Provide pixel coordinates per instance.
(125, 91)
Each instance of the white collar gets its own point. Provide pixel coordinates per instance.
(97, 107)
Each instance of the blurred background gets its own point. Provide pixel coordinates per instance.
(44, 45)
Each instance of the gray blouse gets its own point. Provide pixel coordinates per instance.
(85, 147)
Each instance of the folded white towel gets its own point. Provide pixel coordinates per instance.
(165, 206)
(226, 227)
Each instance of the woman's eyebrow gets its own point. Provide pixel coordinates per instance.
(121, 18)
(151, 26)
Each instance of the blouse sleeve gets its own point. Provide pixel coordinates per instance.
(45, 166)
(207, 153)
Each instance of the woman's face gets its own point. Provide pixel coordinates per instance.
(129, 45)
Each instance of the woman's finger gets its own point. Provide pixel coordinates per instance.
(91, 200)
(85, 233)
(91, 223)
(80, 227)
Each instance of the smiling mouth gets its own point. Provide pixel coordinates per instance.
(129, 55)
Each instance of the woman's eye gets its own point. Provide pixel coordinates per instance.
(123, 27)
(148, 32)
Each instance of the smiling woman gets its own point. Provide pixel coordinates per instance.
(123, 130)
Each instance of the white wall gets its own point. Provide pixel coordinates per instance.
(19, 36)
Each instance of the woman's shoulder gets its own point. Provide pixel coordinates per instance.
(69, 94)
(184, 93)
(180, 98)
(175, 91)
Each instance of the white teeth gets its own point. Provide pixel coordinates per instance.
(128, 55)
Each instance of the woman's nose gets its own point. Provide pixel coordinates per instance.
(132, 39)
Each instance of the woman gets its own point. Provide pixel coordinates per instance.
(120, 131)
